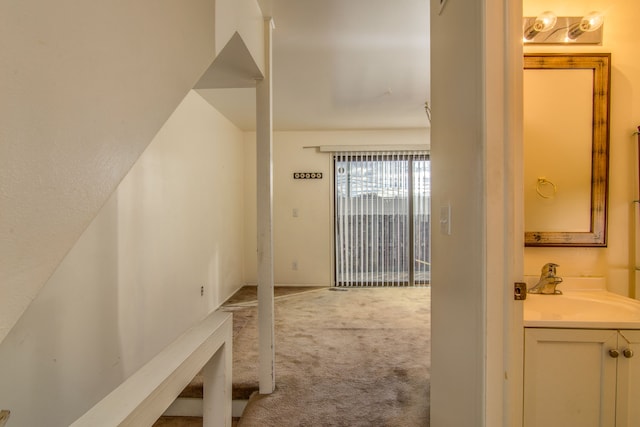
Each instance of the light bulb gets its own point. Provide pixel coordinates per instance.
(591, 22)
(544, 22)
(588, 23)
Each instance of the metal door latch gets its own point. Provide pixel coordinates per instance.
(519, 291)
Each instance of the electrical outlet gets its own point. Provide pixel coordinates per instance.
(294, 213)
(294, 265)
(201, 290)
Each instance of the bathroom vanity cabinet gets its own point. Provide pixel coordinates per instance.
(581, 377)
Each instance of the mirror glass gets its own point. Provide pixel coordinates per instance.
(566, 132)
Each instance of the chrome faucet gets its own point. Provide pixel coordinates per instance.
(548, 281)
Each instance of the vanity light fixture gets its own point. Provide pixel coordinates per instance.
(547, 28)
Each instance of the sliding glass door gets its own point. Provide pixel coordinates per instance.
(381, 219)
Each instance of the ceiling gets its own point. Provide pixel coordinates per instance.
(341, 64)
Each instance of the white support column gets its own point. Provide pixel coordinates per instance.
(264, 160)
(216, 407)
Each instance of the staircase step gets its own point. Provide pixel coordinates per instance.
(195, 388)
(244, 391)
(170, 421)
(240, 391)
(165, 421)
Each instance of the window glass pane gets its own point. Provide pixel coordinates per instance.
(421, 220)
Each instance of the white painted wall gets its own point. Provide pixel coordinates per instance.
(475, 64)
(617, 261)
(132, 282)
(307, 238)
(457, 179)
(85, 86)
(245, 18)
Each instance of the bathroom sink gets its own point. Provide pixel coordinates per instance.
(582, 309)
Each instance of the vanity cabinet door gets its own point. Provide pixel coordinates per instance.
(628, 405)
(569, 378)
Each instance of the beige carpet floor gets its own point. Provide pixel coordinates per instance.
(358, 357)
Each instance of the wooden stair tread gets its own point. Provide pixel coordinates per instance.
(166, 421)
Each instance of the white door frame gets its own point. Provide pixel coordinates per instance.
(505, 213)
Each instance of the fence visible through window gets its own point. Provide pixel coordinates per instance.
(382, 219)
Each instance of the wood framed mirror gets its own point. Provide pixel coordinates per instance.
(566, 149)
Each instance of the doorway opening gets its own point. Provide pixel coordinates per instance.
(382, 221)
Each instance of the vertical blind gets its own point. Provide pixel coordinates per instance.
(382, 219)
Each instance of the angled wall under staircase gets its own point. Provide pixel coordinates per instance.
(88, 88)
(85, 87)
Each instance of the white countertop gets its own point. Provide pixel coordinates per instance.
(584, 304)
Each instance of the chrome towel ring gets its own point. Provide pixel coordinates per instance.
(546, 188)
